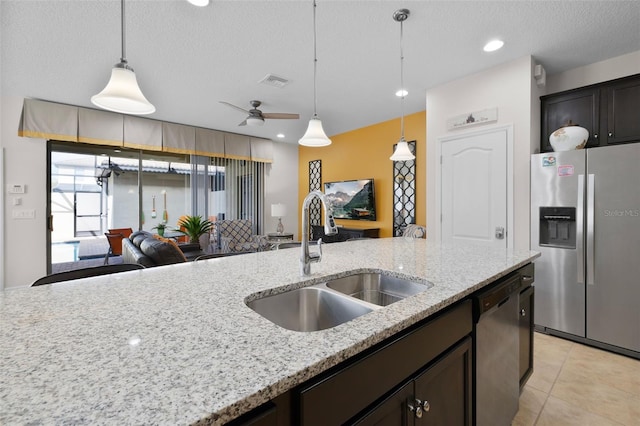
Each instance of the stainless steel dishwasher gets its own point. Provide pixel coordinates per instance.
(497, 348)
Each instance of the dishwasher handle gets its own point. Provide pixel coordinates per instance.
(497, 295)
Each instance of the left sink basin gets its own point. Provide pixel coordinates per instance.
(308, 309)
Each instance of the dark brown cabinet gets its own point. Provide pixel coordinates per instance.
(421, 354)
(610, 111)
(623, 111)
(581, 107)
(526, 334)
(440, 395)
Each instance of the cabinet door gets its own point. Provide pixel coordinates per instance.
(392, 411)
(623, 111)
(445, 389)
(526, 334)
(581, 107)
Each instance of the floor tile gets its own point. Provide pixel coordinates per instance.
(531, 403)
(557, 412)
(591, 394)
(601, 366)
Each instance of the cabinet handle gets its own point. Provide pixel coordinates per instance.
(417, 409)
(610, 134)
(595, 136)
(527, 278)
(523, 313)
(426, 406)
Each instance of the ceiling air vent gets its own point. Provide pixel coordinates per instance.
(274, 80)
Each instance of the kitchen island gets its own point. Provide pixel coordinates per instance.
(178, 344)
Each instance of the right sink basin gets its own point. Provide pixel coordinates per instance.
(377, 288)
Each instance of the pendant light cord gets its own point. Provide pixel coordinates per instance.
(401, 82)
(123, 59)
(315, 63)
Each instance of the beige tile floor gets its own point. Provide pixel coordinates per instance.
(574, 384)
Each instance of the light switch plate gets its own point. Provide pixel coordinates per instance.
(16, 189)
(23, 214)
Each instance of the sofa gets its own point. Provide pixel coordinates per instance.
(148, 250)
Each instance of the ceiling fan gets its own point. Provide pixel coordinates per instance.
(256, 117)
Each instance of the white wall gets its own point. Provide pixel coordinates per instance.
(25, 163)
(25, 159)
(282, 187)
(620, 66)
(507, 87)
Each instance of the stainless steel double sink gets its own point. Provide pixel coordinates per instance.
(335, 301)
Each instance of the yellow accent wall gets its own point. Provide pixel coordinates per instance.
(364, 153)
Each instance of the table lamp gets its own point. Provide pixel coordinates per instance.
(279, 210)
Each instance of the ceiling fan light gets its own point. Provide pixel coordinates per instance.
(402, 152)
(254, 121)
(315, 135)
(122, 93)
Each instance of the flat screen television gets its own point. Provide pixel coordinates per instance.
(352, 199)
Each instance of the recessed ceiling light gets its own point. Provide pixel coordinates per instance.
(400, 93)
(280, 135)
(200, 3)
(493, 45)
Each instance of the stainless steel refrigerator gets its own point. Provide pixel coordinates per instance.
(585, 220)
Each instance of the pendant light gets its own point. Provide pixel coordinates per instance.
(315, 135)
(402, 152)
(122, 93)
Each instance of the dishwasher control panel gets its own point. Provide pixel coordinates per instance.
(498, 294)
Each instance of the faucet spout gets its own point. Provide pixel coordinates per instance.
(306, 257)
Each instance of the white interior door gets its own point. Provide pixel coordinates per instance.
(474, 188)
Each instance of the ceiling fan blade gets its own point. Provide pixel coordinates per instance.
(280, 115)
(246, 111)
(244, 123)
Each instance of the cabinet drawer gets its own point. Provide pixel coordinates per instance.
(341, 394)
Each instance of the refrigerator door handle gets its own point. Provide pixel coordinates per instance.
(579, 230)
(590, 229)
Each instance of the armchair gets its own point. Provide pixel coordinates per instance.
(237, 236)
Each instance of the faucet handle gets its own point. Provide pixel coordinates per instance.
(317, 257)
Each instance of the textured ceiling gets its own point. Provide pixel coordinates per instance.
(188, 58)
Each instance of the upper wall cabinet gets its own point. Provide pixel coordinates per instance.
(610, 111)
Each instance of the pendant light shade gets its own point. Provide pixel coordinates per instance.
(402, 152)
(315, 135)
(122, 93)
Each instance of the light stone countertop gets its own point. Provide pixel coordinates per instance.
(177, 344)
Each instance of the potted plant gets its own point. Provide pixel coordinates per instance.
(195, 227)
(160, 228)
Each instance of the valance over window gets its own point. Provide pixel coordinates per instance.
(237, 147)
(100, 127)
(142, 133)
(50, 120)
(178, 138)
(261, 150)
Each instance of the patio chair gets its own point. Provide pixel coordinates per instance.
(114, 238)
